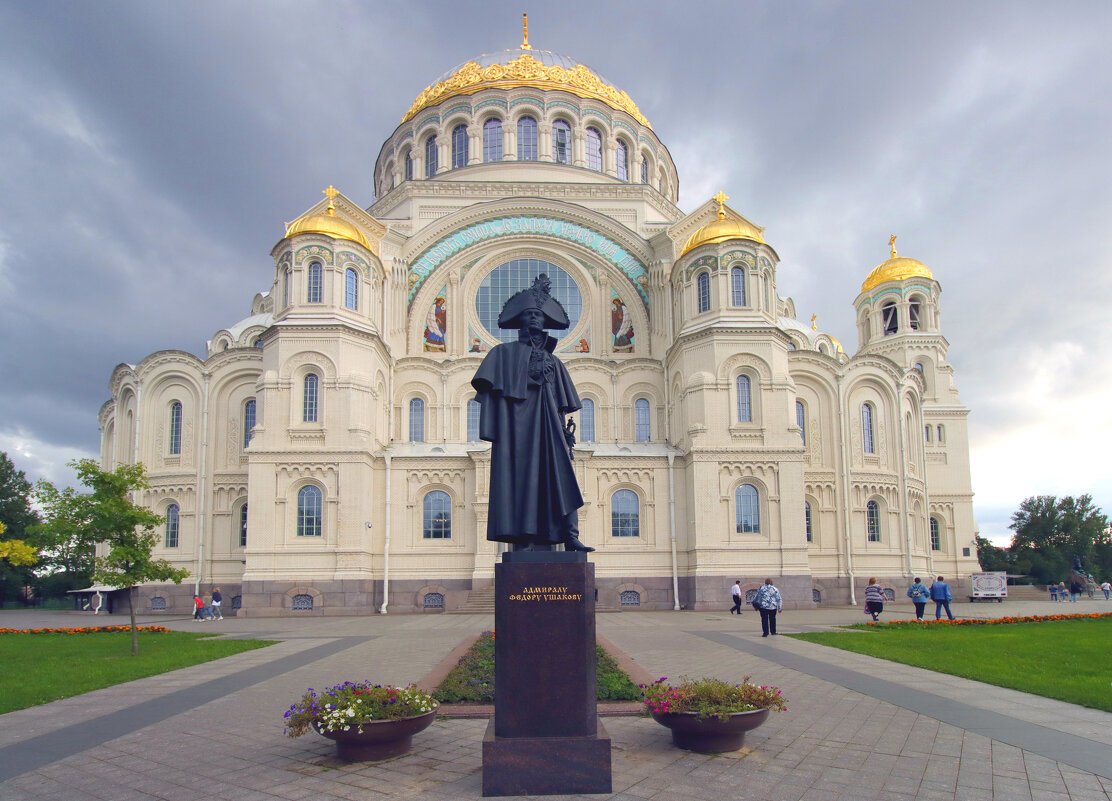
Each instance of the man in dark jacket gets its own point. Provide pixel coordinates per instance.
(940, 594)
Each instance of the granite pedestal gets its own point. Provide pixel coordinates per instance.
(545, 738)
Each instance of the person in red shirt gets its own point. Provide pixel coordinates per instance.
(199, 611)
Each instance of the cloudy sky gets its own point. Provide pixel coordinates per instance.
(151, 151)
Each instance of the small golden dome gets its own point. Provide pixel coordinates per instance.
(328, 224)
(897, 268)
(722, 229)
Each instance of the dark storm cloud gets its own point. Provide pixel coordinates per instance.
(152, 151)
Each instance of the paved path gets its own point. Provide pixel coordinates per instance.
(856, 727)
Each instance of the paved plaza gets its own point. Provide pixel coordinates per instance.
(856, 727)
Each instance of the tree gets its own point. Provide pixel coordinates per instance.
(16, 515)
(1050, 532)
(992, 557)
(125, 529)
(63, 540)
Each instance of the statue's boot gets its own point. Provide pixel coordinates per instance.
(573, 544)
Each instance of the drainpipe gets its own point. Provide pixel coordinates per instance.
(201, 488)
(386, 545)
(904, 521)
(842, 455)
(672, 529)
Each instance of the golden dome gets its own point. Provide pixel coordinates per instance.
(510, 69)
(897, 268)
(722, 229)
(328, 224)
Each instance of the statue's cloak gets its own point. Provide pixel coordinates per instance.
(532, 483)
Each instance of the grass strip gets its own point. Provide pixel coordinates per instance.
(1063, 659)
(472, 680)
(40, 668)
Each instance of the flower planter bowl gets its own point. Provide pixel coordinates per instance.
(710, 735)
(380, 739)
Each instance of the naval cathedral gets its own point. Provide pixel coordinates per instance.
(323, 457)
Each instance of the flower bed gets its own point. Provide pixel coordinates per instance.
(351, 704)
(710, 698)
(90, 630)
(999, 621)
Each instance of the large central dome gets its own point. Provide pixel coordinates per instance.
(524, 66)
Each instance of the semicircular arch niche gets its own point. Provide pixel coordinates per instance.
(514, 275)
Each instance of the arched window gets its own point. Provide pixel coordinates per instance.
(622, 161)
(351, 289)
(527, 139)
(432, 158)
(737, 286)
(492, 139)
(459, 146)
(941, 434)
(310, 408)
(303, 602)
(175, 428)
(259, 343)
(587, 421)
(173, 525)
(748, 509)
(437, 516)
(891, 320)
(807, 521)
(867, 428)
(243, 526)
(625, 516)
(248, 421)
(936, 537)
(473, 411)
(867, 325)
(703, 291)
(561, 142)
(309, 505)
(594, 149)
(913, 314)
(416, 420)
(927, 433)
(645, 170)
(744, 401)
(642, 429)
(872, 521)
(315, 286)
(801, 420)
(408, 167)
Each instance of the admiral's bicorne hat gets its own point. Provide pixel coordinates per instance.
(538, 296)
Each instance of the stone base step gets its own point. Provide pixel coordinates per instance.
(479, 602)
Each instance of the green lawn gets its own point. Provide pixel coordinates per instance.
(1068, 659)
(39, 668)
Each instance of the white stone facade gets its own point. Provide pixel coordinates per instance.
(373, 325)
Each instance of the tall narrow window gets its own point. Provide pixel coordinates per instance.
(644, 170)
(744, 400)
(459, 146)
(625, 516)
(309, 506)
(351, 289)
(927, 433)
(891, 320)
(642, 430)
(416, 420)
(243, 526)
(315, 287)
(941, 434)
(175, 428)
(527, 139)
(587, 421)
(473, 411)
(285, 289)
(936, 537)
(594, 149)
(248, 421)
(408, 166)
(173, 524)
(492, 139)
(801, 420)
(437, 516)
(913, 314)
(703, 290)
(872, 520)
(622, 161)
(867, 428)
(748, 509)
(310, 408)
(561, 142)
(432, 157)
(737, 286)
(807, 521)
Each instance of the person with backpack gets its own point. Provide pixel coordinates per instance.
(919, 595)
(941, 595)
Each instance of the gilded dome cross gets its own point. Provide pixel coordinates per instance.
(331, 192)
(721, 199)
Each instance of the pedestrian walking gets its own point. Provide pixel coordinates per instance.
(874, 599)
(1062, 592)
(198, 608)
(1053, 590)
(1106, 588)
(1075, 591)
(768, 602)
(919, 595)
(217, 599)
(736, 591)
(941, 595)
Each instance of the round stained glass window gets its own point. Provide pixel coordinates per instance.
(507, 279)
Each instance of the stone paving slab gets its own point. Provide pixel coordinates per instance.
(834, 743)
